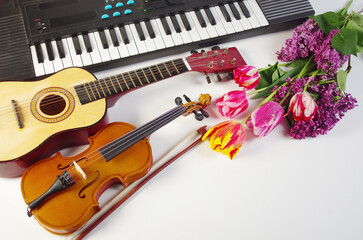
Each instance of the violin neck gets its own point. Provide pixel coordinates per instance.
(106, 87)
(119, 145)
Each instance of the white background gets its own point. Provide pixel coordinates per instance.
(276, 188)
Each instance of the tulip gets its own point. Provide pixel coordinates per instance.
(303, 107)
(232, 103)
(265, 118)
(226, 137)
(246, 76)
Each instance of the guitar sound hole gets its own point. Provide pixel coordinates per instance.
(52, 104)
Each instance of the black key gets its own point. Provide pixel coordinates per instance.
(200, 18)
(77, 46)
(139, 31)
(244, 9)
(103, 39)
(210, 16)
(165, 26)
(38, 49)
(60, 48)
(225, 13)
(185, 22)
(50, 52)
(150, 29)
(124, 36)
(234, 10)
(114, 37)
(87, 42)
(175, 23)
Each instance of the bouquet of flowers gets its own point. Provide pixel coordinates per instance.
(307, 86)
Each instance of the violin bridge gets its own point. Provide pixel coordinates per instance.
(80, 171)
(17, 114)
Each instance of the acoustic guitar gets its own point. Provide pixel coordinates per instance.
(39, 118)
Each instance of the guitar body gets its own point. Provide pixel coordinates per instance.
(41, 117)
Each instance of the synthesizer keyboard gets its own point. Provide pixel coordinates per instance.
(41, 37)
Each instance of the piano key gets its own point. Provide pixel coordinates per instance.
(103, 39)
(150, 44)
(133, 50)
(176, 36)
(125, 37)
(57, 62)
(257, 10)
(244, 9)
(76, 59)
(95, 54)
(85, 56)
(210, 28)
(193, 32)
(210, 16)
(234, 10)
(114, 54)
(175, 23)
(38, 49)
(122, 48)
(49, 48)
(67, 60)
(150, 29)
(183, 32)
(200, 18)
(202, 31)
(168, 40)
(185, 21)
(38, 67)
(48, 65)
(77, 48)
(228, 26)
(114, 39)
(219, 25)
(225, 13)
(141, 47)
(159, 41)
(236, 24)
(244, 21)
(60, 48)
(104, 53)
(140, 32)
(252, 19)
(87, 42)
(165, 25)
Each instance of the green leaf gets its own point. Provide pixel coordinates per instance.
(266, 76)
(345, 10)
(297, 62)
(356, 23)
(329, 21)
(277, 74)
(342, 79)
(345, 41)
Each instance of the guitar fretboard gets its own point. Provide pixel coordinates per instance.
(105, 87)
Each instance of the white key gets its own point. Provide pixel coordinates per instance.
(219, 25)
(131, 46)
(57, 62)
(150, 44)
(168, 40)
(184, 33)
(38, 67)
(202, 31)
(237, 26)
(176, 36)
(48, 65)
(67, 60)
(114, 54)
(193, 32)
(227, 25)
(139, 44)
(252, 19)
(95, 54)
(159, 41)
(259, 15)
(104, 53)
(122, 48)
(244, 22)
(76, 59)
(86, 57)
(210, 28)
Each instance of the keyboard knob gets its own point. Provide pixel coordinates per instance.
(119, 4)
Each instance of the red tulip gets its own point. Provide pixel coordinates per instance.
(303, 107)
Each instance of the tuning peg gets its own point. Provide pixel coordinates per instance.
(208, 78)
(198, 116)
(202, 51)
(215, 48)
(219, 77)
(193, 51)
(179, 101)
(230, 76)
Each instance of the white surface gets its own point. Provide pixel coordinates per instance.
(276, 188)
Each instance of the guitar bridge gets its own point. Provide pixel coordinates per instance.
(17, 114)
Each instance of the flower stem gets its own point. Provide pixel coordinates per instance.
(303, 71)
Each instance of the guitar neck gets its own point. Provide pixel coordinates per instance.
(109, 86)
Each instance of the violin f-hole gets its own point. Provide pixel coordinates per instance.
(88, 185)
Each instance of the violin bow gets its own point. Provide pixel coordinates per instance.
(121, 197)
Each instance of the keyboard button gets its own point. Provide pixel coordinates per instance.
(252, 19)
(185, 22)
(258, 12)
(244, 21)
(236, 24)
(67, 60)
(193, 32)
(140, 32)
(49, 50)
(60, 48)
(244, 9)
(175, 23)
(133, 50)
(183, 32)
(122, 47)
(114, 54)
(125, 38)
(95, 54)
(200, 18)
(220, 28)
(150, 44)
(159, 41)
(77, 48)
(114, 39)
(176, 36)
(104, 53)
(210, 28)
(39, 52)
(165, 26)
(57, 62)
(202, 31)
(85, 56)
(38, 67)
(226, 15)
(76, 58)
(104, 42)
(87, 42)
(166, 37)
(141, 47)
(48, 65)
(234, 11)
(210, 16)
(150, 29)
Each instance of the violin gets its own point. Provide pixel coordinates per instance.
(62, 192)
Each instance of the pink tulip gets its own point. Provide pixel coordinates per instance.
(303, 107)
(246, 76)
(232, 103)
(226, 137)
(265, 118)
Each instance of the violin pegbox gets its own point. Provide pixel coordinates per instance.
(196, 107)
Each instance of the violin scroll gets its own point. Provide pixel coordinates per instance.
(196, 107)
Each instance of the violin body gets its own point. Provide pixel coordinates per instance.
(67, 210)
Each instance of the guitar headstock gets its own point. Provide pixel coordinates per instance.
(218, 60)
